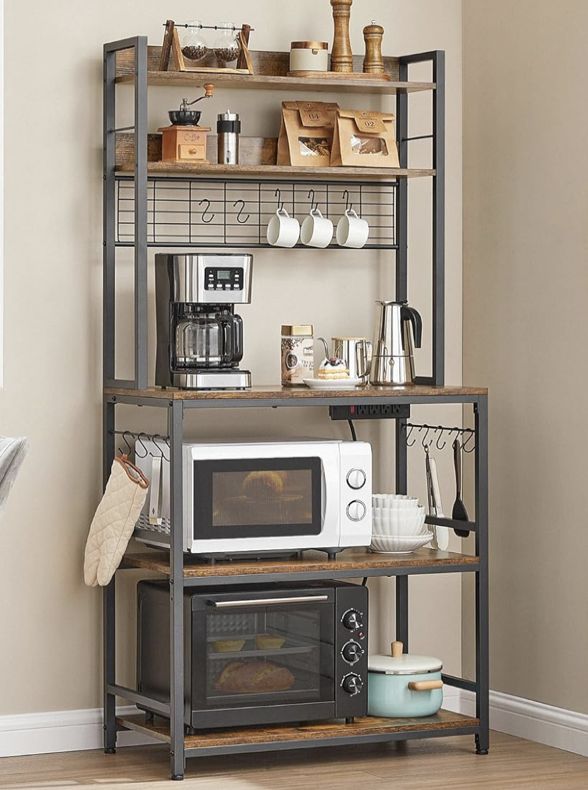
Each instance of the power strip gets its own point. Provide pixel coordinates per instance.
(375, 411)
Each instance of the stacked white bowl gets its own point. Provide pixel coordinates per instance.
(398, 524)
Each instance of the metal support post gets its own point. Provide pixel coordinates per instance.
(139, 45)
(439, 218)
(141, 328)
(482, 624)
(108, 197)
(402, 189)
(109, 601)
(175, 430)
(401, 488)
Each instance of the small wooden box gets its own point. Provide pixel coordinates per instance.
(184, 143)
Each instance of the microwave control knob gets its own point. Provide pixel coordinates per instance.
(352, 619)
(352, 651)
(356, 479)
(352, 684)
(356, 510)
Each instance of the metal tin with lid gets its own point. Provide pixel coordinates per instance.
(297, 354)
(228, 129)
(309, 56)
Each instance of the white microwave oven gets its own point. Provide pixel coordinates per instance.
(262, 496)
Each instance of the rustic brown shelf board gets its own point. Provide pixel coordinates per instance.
(312, 562)
(285, 171)
(270, 392)
(366, 726)
(193, 80)
(270, 73)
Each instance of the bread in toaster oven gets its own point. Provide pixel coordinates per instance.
(249, 677)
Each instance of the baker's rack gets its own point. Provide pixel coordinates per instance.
(131, 61)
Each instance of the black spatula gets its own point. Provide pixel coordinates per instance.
(459, 512)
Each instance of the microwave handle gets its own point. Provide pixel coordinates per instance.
(268, 601)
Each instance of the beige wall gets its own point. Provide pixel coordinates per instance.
(50, 656)
(525, 285)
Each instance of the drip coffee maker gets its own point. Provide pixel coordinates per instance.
(199, 335)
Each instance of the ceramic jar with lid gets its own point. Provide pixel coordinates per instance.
(309, 56)
(297, 354)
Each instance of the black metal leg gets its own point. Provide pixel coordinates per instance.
(482, 625)
(108, 602)
(401, 488)
(177, 762)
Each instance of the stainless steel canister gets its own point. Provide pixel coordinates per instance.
(228, 129)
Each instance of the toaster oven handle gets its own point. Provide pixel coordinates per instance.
(269, 601)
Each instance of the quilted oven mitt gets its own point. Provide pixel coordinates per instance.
(114, 521)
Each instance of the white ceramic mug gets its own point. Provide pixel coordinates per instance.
(352, 231)
(317, 231)
(282, 229)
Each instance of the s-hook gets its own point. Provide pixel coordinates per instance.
(440, 430)
(313, 204)
(241, 204)
(409, 434)
(347, 198)
(207, 208)
(278, 194)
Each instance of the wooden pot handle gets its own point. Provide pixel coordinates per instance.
(425, 685)
(396, 649)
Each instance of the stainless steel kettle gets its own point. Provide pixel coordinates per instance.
(392, 360)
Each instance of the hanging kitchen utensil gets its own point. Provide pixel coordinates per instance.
(459, 512)
(441, 539)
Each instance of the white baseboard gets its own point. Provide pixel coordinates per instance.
(76, 730)
(60, 731)
(534, 721)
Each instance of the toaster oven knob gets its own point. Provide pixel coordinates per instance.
(352, 651)
(356, 479)
(352, 619)
(352, 684)
(356, 510)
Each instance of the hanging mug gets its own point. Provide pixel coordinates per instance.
(352, 231)
(283, 230)
(316, 231)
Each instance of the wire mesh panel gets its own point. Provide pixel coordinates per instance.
(213, 213)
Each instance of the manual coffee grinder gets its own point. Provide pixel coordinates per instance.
(199, 335)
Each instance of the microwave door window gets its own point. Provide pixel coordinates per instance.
(258, 497)
(262, 497)
(268, 657)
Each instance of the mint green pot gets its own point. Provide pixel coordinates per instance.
(390, 695)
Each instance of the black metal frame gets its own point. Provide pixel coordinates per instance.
(175, 415)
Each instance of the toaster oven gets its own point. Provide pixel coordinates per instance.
(259, 654)
(262, 496)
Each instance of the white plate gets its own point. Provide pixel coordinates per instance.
(405, 544)
(333, 384)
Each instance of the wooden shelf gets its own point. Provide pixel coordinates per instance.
(368, 728)
(302, 394)
(312, 565)
(271, 70)
(283, 171)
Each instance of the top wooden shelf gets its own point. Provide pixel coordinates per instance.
(271, 70)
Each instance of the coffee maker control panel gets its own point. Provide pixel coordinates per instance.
(223, 279)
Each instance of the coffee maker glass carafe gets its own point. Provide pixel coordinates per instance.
(208, 339)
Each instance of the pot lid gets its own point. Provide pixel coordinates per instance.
(404, 664)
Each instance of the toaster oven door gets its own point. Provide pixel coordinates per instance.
(262, 657)
(257, 497)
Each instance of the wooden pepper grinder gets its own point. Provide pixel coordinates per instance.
(373, 62)
(341, 54)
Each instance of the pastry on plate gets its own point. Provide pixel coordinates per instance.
(332, 368)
